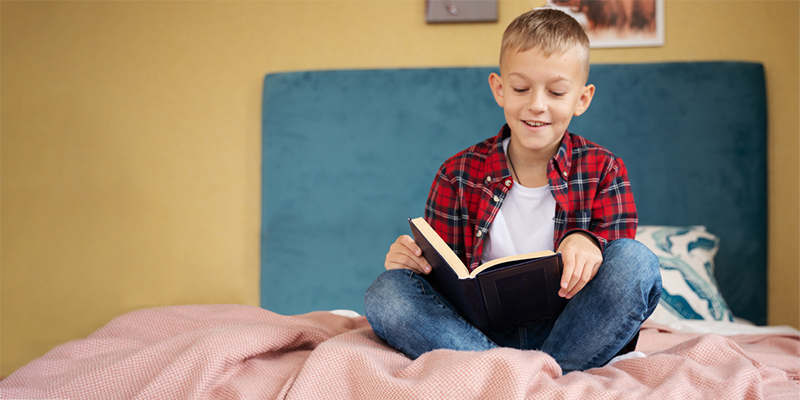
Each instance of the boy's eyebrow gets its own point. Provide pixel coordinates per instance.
(559, 78)
(562, 78)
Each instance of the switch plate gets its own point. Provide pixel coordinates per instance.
(437, 11)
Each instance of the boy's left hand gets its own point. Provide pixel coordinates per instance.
(582, 258)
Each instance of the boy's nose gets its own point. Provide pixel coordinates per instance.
(537, 103)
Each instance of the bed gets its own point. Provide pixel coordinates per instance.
(349, 155)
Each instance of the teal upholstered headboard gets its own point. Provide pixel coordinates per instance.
(349, 155)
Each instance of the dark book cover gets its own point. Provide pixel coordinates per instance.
(464, 294)
(503, 295)
(523, 292)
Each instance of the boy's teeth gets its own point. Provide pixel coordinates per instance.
(535, 124)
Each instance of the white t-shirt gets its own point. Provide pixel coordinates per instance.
(524, 222)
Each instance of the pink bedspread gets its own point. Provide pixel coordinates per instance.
(233, 351)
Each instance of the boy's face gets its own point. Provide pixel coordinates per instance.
(539, 96)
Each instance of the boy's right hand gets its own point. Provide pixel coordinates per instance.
(405, 254)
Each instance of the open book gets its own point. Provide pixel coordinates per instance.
(498, 294)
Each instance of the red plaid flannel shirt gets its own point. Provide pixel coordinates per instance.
(589, 183)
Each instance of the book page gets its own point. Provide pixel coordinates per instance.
(519, 257)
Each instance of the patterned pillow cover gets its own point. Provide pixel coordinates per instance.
(689, 289)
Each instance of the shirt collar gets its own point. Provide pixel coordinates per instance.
(498, 166)
(563, 157)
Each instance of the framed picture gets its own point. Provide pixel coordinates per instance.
(617, 23)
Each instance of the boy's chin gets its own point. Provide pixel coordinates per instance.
(537, 133)
(537, 140)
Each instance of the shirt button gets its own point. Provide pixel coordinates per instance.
(479, 233)
(496, 199)
(508, 182)
(488, 179)
(565, 174)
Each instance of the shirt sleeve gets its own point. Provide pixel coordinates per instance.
(443, 212)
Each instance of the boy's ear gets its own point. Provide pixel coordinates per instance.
(496, 83)
(585, 100)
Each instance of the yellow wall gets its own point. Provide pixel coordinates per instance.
(131, 138)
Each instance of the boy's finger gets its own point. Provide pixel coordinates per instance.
(421, 261)
(574, 280)
(589, 271)
(566, 277)
(404, 261)
(578, 282)
(420, 265)
(409, 242)
(575, 289)
(407, 256)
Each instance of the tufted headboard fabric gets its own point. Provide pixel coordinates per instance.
(348, 155)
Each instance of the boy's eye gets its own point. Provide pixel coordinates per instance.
(520, 90)
(558, 94)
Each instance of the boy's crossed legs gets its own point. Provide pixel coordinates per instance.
(597, 323)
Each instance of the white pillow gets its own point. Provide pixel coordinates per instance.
(689, 290)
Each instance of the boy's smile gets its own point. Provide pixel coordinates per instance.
(540, 95)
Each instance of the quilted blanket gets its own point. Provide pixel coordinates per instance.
(243, 352)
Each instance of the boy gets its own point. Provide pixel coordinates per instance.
(534, 186)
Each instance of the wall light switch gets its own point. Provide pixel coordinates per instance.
(460, 11)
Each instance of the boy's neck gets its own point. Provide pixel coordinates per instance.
(528, 169)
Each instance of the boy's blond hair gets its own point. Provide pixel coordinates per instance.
(549, 30)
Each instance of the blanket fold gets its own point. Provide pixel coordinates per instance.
(244, 352)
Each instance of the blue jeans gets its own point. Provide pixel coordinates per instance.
(597, 323)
